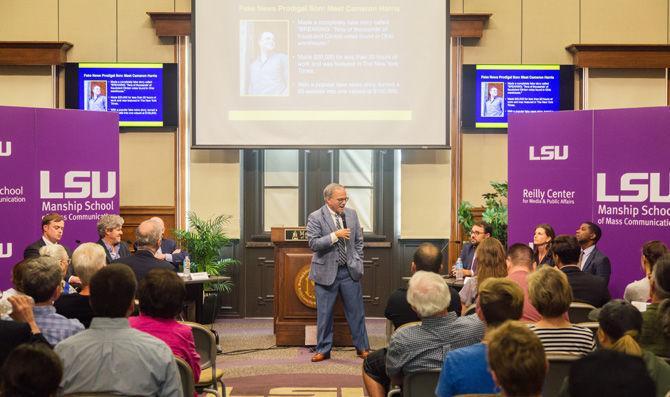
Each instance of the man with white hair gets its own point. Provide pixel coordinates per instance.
(110, 230)
(87, 259)
(147, 242)
(58, 252)
(423, 347)
(168, 250)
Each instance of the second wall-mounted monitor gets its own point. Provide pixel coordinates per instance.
(492, 92)
(143, 94)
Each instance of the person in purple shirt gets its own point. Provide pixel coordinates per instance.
(161, 294)
(465, 370)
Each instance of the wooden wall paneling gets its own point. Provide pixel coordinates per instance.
(134, 215)
(34, 52)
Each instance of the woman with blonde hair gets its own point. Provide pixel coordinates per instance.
(490, 257)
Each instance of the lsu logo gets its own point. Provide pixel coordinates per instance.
(645, 186)
(5, 250)
(5, 149)
(78, 185)
(549, 153)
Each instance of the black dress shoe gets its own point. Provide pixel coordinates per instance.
(320, 357)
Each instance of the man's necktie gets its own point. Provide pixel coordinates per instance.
(341, 249)
(581, 258)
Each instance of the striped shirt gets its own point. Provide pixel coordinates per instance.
(574, 340)
(423, 347)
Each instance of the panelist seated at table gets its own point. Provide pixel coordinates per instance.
(479, 232)
(53, 225)
(110, 230)
(168, 250)
(148, 241)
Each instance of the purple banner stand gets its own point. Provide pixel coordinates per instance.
(51, 160)
(608, 166)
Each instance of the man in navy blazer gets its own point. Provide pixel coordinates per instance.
(335, 236)
(480, 231)
(592, 260)
(168, 250)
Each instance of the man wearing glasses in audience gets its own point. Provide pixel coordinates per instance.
(480, 231)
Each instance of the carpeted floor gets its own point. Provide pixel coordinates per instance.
(283, 371)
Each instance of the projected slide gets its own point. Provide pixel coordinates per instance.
(321, 73)
(505, 89)
(135, 91)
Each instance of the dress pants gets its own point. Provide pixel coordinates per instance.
(354, 311)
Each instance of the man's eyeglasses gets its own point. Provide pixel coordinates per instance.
(343, 200)
(476, 232)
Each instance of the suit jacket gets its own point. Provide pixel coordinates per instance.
(324, 261)
(468, 255)
(598, 264)
(142, 262)
(586, 287)
(169, 246)
(13, 334)
(124, 251)
(33, 251)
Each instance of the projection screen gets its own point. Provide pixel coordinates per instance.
(320, 73)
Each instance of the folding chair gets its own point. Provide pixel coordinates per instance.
(579, 312)
(418, 384)
(205, 345)
(187, 381)
(559, 369)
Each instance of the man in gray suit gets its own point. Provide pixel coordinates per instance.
(335, 236)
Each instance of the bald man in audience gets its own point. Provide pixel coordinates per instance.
(422, 347)
(148, 241)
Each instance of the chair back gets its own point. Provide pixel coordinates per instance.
(472, 309)
(186, 375)
(579, 312)
(559, 369)
(420, 384)
(205, 345)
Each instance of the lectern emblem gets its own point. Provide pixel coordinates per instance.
(304, 287)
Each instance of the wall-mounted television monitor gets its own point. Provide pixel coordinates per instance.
(143, 94)
(492, 92)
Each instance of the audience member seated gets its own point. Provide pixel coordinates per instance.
(550, 293)
(23, 329)
(479, 232)
(519, 265)
(31, 370)
(517, 360)
(490, 263)
(591, 259)
(58, 252)
(542, 239)
(639, 290)
(42, 281)
(610, 373)
(110, 230)
(427, 257)
(465, 370)
(148, 240)
(168, 250)
(161, 296)
(17, 280)
(655, 335)
(423, 347)
(586, 287)
(111, 357)
(620, 325)
(87, 259)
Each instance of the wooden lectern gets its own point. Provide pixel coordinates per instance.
(294, 294)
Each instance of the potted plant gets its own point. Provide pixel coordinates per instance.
(495, 211)
(204, 240)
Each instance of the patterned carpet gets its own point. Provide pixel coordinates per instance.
(287, 371)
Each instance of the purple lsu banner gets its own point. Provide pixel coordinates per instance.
(52, 160)
(610, 167)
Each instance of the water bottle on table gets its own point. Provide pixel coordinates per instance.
(187, 266)
(459, 269)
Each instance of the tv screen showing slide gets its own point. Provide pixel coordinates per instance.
(325, 73)
(492, 92)
(143, 94)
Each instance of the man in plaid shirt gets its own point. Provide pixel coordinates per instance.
(42, 282)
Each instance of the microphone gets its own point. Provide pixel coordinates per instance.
(344, 220)
(77, 241)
